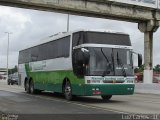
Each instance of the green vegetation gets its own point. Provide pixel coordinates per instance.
(156, 68)
(13, 70)
(141, 68)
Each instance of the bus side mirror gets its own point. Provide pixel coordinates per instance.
(80, 58)
(139, 60)
(86, 55)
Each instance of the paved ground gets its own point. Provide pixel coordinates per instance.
(28, 104)
(153, 88)
(14, 99)
(15, 103)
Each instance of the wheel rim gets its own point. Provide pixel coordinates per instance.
(27, 87)
(68, 91)
(31, 87)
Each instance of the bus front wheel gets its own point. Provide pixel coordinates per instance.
(68, 91)
(106, 97)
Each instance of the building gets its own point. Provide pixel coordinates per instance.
(3, 73)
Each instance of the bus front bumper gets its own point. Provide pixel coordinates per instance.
(105, 89)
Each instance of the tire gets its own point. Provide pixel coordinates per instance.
(68, 91)
(31, 87)
(32, 90)
(57, 93)
(8, 83)
(27, 86)
(106, 97)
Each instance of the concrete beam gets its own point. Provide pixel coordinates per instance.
(94, 8)
(157, 16)
(150, 25)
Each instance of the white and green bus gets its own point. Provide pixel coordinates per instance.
(80, 63)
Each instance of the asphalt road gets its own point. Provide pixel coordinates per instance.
(21, 103)
(45, 106)
(14, 100)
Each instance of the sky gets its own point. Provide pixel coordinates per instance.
(30, 26)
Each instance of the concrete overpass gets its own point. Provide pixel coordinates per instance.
(148, 18)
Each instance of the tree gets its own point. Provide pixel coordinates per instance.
(156, 68)
(139, 69)
(13, 70)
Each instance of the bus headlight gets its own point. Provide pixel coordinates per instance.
(130, 81)
(88, 81)
(93, 81)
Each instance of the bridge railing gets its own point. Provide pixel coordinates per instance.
(146, 3)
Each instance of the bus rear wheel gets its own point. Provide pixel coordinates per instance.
(106, 97)
(27, 86)
(32, 89)
(68, 91)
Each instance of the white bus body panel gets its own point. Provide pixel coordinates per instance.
(45, 65)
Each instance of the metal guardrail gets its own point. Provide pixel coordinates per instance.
(146, 3)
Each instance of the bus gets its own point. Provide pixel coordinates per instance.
(80, 63)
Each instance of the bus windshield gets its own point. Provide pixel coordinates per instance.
(110, 62)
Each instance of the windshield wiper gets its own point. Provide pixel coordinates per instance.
(108, 68)
(112, 56)
(120, 63)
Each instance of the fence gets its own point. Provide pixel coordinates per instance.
(145, 3)
(139, 77)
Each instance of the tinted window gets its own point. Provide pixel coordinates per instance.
(78, 38)
(50, 50)
(24, 56)
(54, 49)
(101, 61)
(100, 38)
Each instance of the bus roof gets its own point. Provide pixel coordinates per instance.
(64, 34)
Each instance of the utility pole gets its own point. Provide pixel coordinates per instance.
(8, 33)
(68, 23)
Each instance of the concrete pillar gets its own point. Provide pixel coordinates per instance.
(148, 57)
(148, 28)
